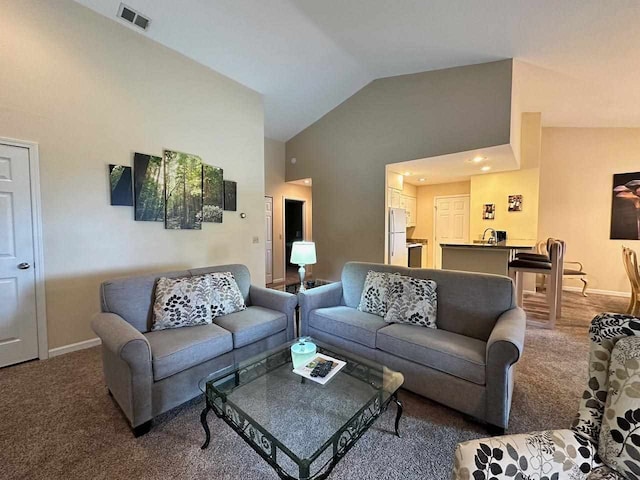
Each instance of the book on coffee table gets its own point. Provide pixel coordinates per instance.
(319, 358)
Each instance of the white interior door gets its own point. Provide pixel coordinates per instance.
(451, 223)
(18, 322)
(268, 215)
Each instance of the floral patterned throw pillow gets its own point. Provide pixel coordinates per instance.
(182, 302)
(619, 445)
(226, 296)
(412, 300)
(374, 294)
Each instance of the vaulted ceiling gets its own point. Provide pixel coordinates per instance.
(308, 56)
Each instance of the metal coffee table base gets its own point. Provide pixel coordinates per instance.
(267, 446)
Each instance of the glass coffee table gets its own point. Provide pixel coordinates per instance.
(301, 428)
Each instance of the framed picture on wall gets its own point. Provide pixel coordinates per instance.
(489, 211)
(515, 203)
(148, 187)
(120, 180)
(625, 207)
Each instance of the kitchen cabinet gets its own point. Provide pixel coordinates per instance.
(396, 199)
(393, 198)
(395, 180)
(411, 206)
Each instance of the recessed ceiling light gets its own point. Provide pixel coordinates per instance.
(422, 179)
(307, 181)
(406, 174)
(477, 159)
(486, 168)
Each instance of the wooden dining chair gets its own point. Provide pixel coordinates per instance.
(576, 268)
(630, 261)
(553, 267)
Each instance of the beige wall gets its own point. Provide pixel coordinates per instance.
(91, 92)
(496, 188)
(276, 188)
(425, 196)
(576, 181)
(391, 120)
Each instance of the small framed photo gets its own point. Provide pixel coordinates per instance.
(489, 211)
(515, 203)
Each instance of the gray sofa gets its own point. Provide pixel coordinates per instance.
(150, 372)
(467, 363)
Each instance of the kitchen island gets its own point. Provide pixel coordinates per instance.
(483, 257)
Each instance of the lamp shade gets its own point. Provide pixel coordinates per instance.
(303, 253)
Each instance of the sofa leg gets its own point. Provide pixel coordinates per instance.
(142, 429)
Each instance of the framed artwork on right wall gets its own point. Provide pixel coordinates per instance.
(625, 207)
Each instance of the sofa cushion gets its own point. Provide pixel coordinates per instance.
(448, 352)
(252, 324)
(182, 302)
(347, 323)
(469, 303)
(412, 300)
(178, 349)
(375, 293)
(240, 274)
(226, 297)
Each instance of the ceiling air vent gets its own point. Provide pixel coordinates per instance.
(131, 16)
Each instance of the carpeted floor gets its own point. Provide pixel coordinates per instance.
(57, 421)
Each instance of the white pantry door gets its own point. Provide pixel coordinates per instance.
(18, 322)
(452, 223)
(268, 254)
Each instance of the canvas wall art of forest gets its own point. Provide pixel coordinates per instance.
(625, 207)
(148, 173)
(213, 194)
(230, 199)
(120, 179)
(183, 191)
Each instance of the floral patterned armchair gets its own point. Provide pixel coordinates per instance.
(604, 440)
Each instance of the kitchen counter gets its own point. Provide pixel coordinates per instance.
(481, 257)
(508, 245)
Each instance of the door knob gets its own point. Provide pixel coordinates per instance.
(24, 266)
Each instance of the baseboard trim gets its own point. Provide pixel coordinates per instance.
(612, 293)
(94, 342)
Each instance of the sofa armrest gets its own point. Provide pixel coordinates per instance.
(276, 300)
(528, 455)
(507, 336)
(126, 362)
(122, 339)
(320, 297)
(504, 348)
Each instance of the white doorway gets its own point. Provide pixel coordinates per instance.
(451, 223)
(268, 254)
(22, 309)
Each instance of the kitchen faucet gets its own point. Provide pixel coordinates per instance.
(492, 238)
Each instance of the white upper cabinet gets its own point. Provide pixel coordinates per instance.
(411, 205)
(393, 198)
(395, 180)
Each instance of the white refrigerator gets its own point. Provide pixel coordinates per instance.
(398, 253)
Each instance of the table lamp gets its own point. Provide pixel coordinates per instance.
(303, 253)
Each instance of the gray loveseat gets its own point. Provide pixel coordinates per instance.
(466, 364)
(150, 372)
